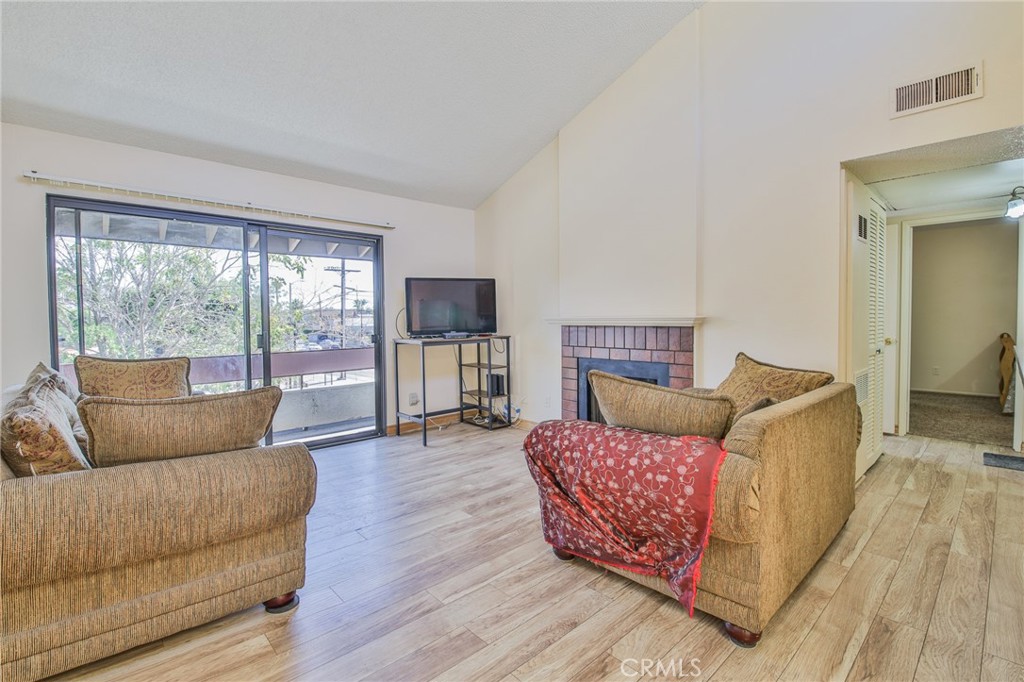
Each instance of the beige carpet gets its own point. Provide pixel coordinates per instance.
(960, 417)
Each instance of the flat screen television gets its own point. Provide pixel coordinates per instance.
(438, 305)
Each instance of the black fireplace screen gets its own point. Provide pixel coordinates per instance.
(650, 372)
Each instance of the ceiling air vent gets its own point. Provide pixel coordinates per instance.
(938, 91)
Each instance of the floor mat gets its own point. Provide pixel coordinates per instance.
(991, 459)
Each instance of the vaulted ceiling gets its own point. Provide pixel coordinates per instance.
(440, 102)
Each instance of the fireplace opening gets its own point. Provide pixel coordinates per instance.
(621, 349)
(649, 372)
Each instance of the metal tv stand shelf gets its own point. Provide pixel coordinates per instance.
(487, 404)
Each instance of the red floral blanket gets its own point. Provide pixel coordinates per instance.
(630, 499)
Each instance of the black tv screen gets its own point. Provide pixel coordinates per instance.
(435, 305)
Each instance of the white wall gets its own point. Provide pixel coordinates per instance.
(785, 92)
(430, 240)
(791, 90)
(964, 295)
(517, 243)
(627, 173)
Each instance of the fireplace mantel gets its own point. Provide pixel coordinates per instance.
(628, 321)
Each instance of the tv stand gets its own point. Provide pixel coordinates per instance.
(487, 399)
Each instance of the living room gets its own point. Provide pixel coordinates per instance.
(701, 186)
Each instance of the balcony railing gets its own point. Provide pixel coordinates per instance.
(228, 368)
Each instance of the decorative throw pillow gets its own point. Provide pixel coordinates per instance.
(755, 406)
(751, 381)
(123, 430)
(36, 432)
(41, 372)
(143, 379)
(657, 409)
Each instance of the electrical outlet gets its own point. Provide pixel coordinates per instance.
(414, 398)
(547, 401)
(935, 371)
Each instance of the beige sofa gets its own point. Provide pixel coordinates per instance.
(785, 490)
(97, 561)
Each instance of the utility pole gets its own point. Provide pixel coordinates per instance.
(344, 293)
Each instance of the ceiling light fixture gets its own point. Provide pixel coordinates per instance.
(1015, 206)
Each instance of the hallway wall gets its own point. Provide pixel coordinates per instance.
(964, 295)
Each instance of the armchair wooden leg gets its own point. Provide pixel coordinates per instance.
(741, 636)
(282, 604)
(562, 554)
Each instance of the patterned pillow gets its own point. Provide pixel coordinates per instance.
(123, 430)
(42, 372)
(145, 379)
(751, 381)
(36, 433)
(657, 409)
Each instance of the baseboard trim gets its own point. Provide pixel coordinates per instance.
(443, 420)
(963, 393)
(449, 419)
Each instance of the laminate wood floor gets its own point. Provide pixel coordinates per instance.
(428, 564)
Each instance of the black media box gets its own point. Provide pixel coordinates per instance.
(496, 384)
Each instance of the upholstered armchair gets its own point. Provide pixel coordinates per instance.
(785, 485)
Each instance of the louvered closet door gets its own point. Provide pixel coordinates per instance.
(872, 406)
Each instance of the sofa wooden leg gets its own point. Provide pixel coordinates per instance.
(562, 554)
(282, 604)
(741, 636)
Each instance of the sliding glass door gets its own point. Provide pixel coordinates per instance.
(322, 333)
(250, 303)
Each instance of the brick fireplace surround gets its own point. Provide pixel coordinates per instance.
(671, 345)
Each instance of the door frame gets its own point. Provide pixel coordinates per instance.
(905, 314)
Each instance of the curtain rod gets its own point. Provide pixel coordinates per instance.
(58, 181)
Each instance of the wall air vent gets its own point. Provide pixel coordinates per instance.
(862, 228)
(861, 383)
(937, 91)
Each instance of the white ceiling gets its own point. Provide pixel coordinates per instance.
(434, 101)
(976, 172)
(990, 183)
